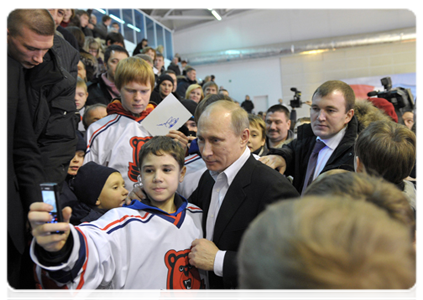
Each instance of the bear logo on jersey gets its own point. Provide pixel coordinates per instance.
(136, 144)
(181, 275)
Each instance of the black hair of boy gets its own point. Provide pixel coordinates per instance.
(161, 145)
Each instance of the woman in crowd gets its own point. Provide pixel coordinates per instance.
(195, 93)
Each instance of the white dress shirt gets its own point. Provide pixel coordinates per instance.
(223, 181)
(327, 151)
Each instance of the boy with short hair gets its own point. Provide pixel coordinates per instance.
(388, 149)
(141, 246)
(81, 95)
(116, 140)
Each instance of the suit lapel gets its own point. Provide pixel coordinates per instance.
(234, 198)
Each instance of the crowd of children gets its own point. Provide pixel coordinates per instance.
(128, 223)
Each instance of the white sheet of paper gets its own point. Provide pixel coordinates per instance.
(169, 114)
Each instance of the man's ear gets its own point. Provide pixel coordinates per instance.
(245, 136)
(349, 116)
(182, 175)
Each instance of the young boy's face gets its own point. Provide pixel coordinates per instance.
(135, 96)
(81, 96)
(160, 178)
(76, 162)
(113, 193)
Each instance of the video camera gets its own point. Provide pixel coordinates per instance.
(400, 97)
(296, 102)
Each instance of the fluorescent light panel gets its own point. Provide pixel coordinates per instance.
(134, 28)
(117, 19)
(216, 15)
(100, 10)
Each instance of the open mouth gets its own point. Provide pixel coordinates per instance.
(188, 283)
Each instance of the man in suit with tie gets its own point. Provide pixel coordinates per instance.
(232, 192)
(324, 144)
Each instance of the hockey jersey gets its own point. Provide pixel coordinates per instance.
(116, 139)
(133, 247)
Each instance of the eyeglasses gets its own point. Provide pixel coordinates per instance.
(93, 51)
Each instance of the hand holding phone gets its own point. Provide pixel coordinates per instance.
(46, 223)
(50, 194)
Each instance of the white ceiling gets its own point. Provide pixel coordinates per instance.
(179, 19)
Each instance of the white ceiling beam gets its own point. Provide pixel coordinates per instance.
(168, 13)
(185, 17)
(227, 13)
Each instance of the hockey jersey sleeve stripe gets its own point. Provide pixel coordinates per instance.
(84, 268)
(192, 159)
(69, 276)
(194, 209)
(101, 129)
(120, 223)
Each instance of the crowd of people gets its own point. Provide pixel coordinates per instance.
(234, 198)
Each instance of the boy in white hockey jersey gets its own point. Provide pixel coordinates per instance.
(141, 246)
(115, 141)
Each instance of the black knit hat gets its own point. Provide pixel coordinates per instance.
(81, 145)
(89, 182)
(164, 77)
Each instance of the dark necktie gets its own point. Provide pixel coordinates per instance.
(311, 167)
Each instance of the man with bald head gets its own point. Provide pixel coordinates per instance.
(232, 192)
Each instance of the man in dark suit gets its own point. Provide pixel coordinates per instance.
(24, 173)
(333, 125)
(232, 192)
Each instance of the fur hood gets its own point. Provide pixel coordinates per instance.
(367, 113)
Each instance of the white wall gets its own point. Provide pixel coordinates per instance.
(261, 27)
(258, 77)
(254, 78)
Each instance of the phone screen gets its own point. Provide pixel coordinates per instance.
(48, 197)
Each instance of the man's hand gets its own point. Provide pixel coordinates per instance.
(136, 194)
(275, 162)
(38, 216)
(202, 254)
(179, 137)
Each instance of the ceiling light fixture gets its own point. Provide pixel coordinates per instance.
(215, 14)
(100, 10)
(117, 19)
(133, 27)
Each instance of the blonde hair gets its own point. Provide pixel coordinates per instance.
(258, 122)
(81, 83)
(134, 69)
(193, 87)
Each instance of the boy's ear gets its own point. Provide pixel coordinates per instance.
(97, 203)
(182, 175)
(359, 166)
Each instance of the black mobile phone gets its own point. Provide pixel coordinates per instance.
(50, 194)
